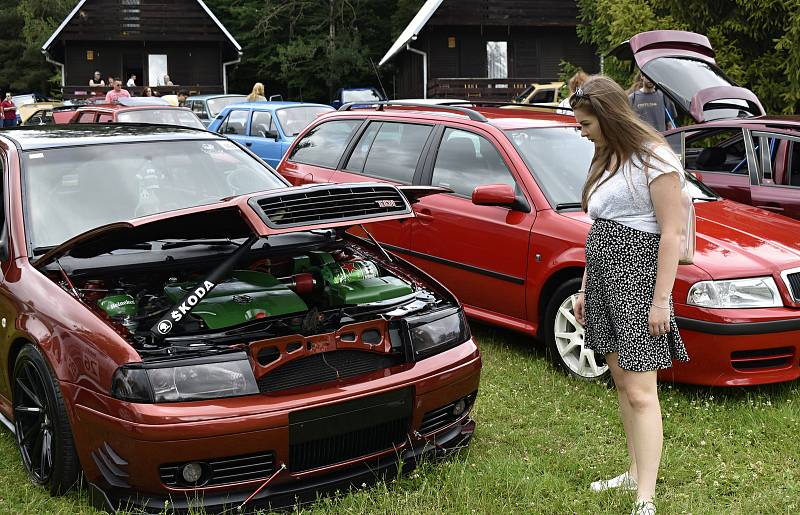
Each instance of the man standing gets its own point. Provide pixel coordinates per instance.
(182, 96)
(9, 111)
(131, 81)
(113, 96)
(653, 106)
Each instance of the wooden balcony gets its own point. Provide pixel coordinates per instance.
(77, 92)
(486, 89)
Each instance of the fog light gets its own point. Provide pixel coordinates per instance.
(192, 472)
(459, 408)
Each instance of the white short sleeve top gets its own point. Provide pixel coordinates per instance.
(625, 197)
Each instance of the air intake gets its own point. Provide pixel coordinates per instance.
(326, 203)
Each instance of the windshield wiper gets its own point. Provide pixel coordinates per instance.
(188, 243)
(37, 251)
(568, 205)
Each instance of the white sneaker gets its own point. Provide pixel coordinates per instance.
(624, 481)
(644, 508)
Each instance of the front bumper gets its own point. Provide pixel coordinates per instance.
(124, 448)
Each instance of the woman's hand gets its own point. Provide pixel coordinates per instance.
(580, 302)
(658, 321)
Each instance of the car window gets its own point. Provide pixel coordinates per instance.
(396, 150)
(105, 118)
(718, 150)
(791, 176)
(541, 96)
(465, 161)
(295, 119)
(199, 109)
(766, 146)
(323, 145)
(262, 124)
(86, 118)
(234, 123)
(359, 156)
(360, 95)
(216, 105)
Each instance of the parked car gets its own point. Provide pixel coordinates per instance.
(509, 241)
(178, 326)
(207, 107)
(550, 94)
(733, 147)
(266, 128)
(357, 95)
(25, 99)
(137, 110)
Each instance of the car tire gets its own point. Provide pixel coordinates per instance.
(564, 337)
(43, 432)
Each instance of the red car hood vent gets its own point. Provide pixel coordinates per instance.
(328, 203)
(284, 210)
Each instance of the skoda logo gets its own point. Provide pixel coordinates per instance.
(164, 326)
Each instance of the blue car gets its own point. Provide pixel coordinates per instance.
(266, 128)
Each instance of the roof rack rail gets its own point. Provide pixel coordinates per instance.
(497, 103)
(379, 106)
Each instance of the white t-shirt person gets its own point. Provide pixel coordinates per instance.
(625, 197)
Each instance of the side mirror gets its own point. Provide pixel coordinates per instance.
(272, 135)
(499, 195)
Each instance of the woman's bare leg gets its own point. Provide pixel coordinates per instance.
(645, 427)
(625, 410)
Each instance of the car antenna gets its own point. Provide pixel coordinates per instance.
(378, 75)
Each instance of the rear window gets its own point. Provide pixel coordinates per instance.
(295, 119)
(181, 117)
(324, 144)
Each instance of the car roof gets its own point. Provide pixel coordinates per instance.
(53, 136)
(271, 105)
(505, 118)
(210, 96)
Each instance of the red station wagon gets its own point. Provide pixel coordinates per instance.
(138, 110)
(734, 148)
(509, 240)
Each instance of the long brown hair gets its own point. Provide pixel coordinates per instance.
(625, 134)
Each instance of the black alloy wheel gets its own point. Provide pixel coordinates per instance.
(42, 428)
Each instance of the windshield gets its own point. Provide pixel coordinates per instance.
(68, 191)
(216, 105)
(559, 159)
(683, 78)
(295, 119)
(179, 117)
(360, 95)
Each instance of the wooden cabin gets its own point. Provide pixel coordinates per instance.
(148, 38)
(490, 49)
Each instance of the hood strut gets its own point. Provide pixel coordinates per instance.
(164, 326)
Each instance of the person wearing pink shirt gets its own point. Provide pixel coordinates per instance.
(113, 96)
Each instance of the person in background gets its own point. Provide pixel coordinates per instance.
(633, 195)
(182, 96)
(257, 94)
(9, 111)
(131, 81)
(653, 106)
(97, 80)
(147, 92)
(113, 96)
(110, 81)
(574, 83)
(166, 81)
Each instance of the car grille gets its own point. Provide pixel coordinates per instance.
(760, 359)
(329, 203)
(344, 431)
(220, 471)
(793, 282)
(324, 367)
(443, 417)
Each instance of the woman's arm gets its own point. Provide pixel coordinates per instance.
(581, 301)
(665, 192)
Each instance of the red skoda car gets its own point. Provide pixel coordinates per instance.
(509, 239)
(733, 148)
(186, 328)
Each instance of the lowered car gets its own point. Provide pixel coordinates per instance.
(509, 240)
(266, 128)
(187, 330)
(733, 147)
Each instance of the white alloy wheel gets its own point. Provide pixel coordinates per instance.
(569, 336)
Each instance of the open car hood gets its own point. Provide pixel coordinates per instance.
(294, 209)
(682, 65)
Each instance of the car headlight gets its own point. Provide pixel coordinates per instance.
(756, 292)
(436, 332)
(216, 377)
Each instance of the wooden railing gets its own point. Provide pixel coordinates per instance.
(73, 92)
(487, 89)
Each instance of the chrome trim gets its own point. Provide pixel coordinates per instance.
(9, 425)
(785, 276)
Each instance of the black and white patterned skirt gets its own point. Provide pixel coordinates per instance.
(621, 266)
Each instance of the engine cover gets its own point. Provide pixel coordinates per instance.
(245, 296)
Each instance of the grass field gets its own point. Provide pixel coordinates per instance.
(542, 438)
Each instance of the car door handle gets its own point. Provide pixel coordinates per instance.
(424, 215)
(777, 209)
(248, 144)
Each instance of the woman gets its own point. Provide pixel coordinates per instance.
(257, 94)
(632, 193)
(574, 83)
(147, 92)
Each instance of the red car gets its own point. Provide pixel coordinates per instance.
(509, 240)
(734, 148)
(184, 327)
(138, 110)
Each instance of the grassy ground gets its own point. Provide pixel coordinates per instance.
(542, 438)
